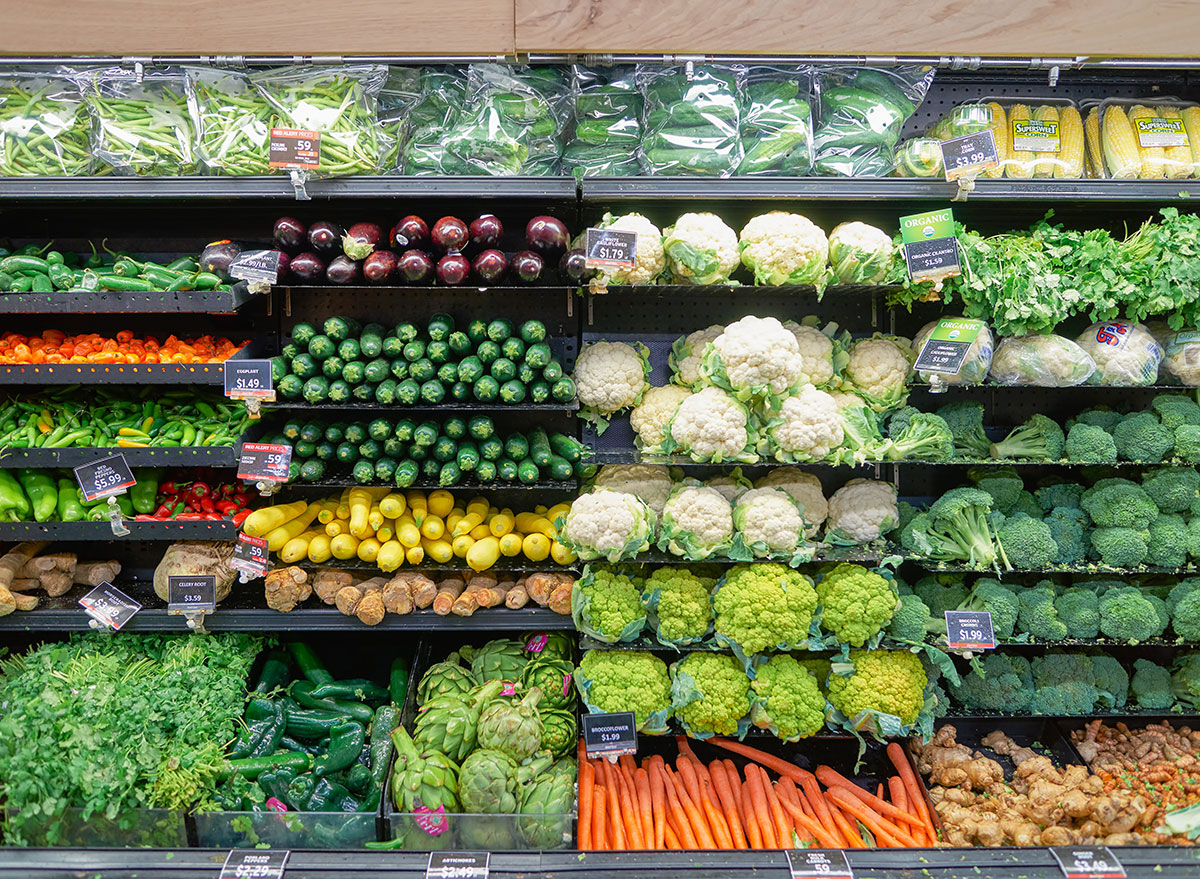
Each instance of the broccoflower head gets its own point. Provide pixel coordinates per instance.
(857, 603)
(649, 418)
(764, 605)
(608, 524)
(612, 681)
(679, 604)
(609, 377)
(787, 699)
(885, 681)
(607, 605)
(710, 694)
(687, 352)
(769, 522)
(697, 522)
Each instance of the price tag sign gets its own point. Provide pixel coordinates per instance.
(264, 462)
(250, 555)
(109, 605)
(947, 346)
(295, 149)
(191, 594)
(610, 249)
(254, 864)
(930, 246)
(610, 734)
(1088, 862)
(104, 477)
(256, 265)
(249, 378)
(970, 630)
(458, 865)
(969, 154)
(818, 862)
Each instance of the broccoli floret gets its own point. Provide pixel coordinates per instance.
(1027, 542)
(887, 681)
(1143, 438)
(926, 437)
(1079, 610)
(1119, 503)
(1185, 682)
(913, 621)
(905, 513)
(941, 592)
(1059, 494)
(1040, 438)
(1111, 678)
(1004, 484)
(1183, 603)
(1120, 547)
(1099, 416)
(1090, 444)
(1037, 615)
(1068, 527)
(998, 600)
(965, 420)
(1027, 504)
(856, 603)
(787, 699)
(1151, 685)
(1005, 685)
(1168, 545)
(1176, 409)
(899, 420)
(1187, 443)
(958, 528)
(1128, 614)
(1064, 684)
(1173, 489)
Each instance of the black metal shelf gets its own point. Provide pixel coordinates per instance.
(112, 373)
(800, 291)
(571, 485)
(161, 456)
(503, 565)
(102, 531)
(856, 554)
(447, 406)
(937, 567)
(110, 302)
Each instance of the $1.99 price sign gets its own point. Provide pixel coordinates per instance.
(295, 149)
(970, 630)
(104, 477)
(264, 462)
(609, 735)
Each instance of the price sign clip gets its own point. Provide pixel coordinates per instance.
(812, 862)
(108, 607)
(115, 519)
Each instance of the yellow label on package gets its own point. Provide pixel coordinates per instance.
(1161, 133)
(1035, 137)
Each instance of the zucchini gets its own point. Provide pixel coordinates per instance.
(356, 433)
(447, 373)
(406, 332)
(406, 473)
(460, 391)
(290, 350)
(311, 433)
(467, 456)
(563, 390)
(364, 393)
(539, 392)
(331, 367)
(440, 327)
(346, 453)
(506, 470)
(513, 348)
(527, 472)
(385, 470)
(392, 347)
(418, 453)
(363, 472)
(334, 433)
(487, 352)
(567, 447)
(526, 374)
(533, 331)
(394, 448)
(289, 387)
(404, 430)
(325, 451)
(516, 447)
(292, 429)
(301, 333)
(340, 391)
(379, 429)
(539, 356)
(373, 329)
(491, 449)
(470, 369)
(438, 352)
(444, 449)
(377, 370)
(408, 392)
(341, 328)
(460, 343)
(349, 349)
(431, 468)
(486, 472)
(553, 371)
(316, 390)
(449, 474)
(304, 365)
(312, 470)
(426, 433)
(512, 392)
(539, 447)
(433, 392)
(279, 365)
(370, 344)
(353, 372)
(560, 469)
(499, 330)
(304, 449)
(455, 428)
(502, 369)
(399, 369)
(422, 370)
(481, 427)
(370, 450)
(486, 390)
(477, 331)
(414, 350)
(385, 392)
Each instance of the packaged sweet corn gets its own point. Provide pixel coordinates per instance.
(1144, 139)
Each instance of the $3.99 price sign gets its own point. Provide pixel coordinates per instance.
(104, 477)
(969, 154)
(264, 462)
(295, 149)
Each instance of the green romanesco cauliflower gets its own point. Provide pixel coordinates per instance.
(678, 605)
(764, 605)
(612, 681)
(710, 694)
(886, 681)
(787, 699)
(607, 605)
(857, 603)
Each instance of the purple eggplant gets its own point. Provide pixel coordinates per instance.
(412, 231)
(326, 237)
(360, 239)
(573, 266)
(453, 269)
(284, 262)
(379, 267)
(526, 267)
(290, 235)
(307, 268)
(547, 235)
(217, 256)
(450, 235)
(490, 266)
(342, 270)
(415, 267)
(486, 231)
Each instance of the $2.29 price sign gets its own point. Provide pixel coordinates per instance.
(610, 249)
(264, 462)
(610, 734)
(970, 630)
(254, 864)
(104, 477)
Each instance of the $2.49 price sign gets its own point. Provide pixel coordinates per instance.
(264, 462)
(104, 477)
(458, 865)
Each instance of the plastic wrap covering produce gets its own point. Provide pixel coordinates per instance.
(776, 124)
(863, 110)
(140, 127)
(396, 100)
(442, 92)
(607, 123)
(692, 120)
(338, 103)
(511, 123)
(1146, 139)
(1035, 137)
(233, 122)
(918, 157)
(44, 128)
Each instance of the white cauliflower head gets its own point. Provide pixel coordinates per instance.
(805, 490)
(823, 360)
(755, 356)
(782, 248)
(859, 253)
(731, 485)
(878, 370)
(768, 522)
(1048, 361)
(649, 261)
(697, 522)
(711, 425)
(649, 418)
(607, 524)
(975, 365)
(806, 427)
(609, 377)
(687, 353)
(1182, 358)
(1126, 353)
(650, 482)
(701, 249)
(860, 511)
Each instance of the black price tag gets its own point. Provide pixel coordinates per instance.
(250, 555)
(109, 605)
(610, 734)
(294, 148)
(104, 477)
(943, 357)
(969, 154)
(458, 865)
(263, 462)
(249, 378)
(818, 862)
(254, 864)
(970, 630)
(256, 265)
(610, 249)
(191, 594)
(930, 245)
(1088, 862)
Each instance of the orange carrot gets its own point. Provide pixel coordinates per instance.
(687, 771)
(832, 779)
(692, 812)
(616, 832)
(776, 764)
(821, 810)
(670, 840)
(580, 752)
(725, 798)
(599, 830)
(683, 827)
(587, 781)
(760, 812)
(807, 826)
(896, 789)
(871, 819)
(783, 827)
(879, 790)
(912, 790)
(720, 830)
(741, 791)
(847, 828)
(658, 803)
(685, 748)
(641, 786)
(633, 824)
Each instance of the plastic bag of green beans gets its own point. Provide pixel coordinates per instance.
(339, 103)
(44, 128)
(232, 120)
(140, 127)
(396, 99)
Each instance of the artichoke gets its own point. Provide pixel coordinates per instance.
(499, 660)
(446, 678)
(553, 678)
(560, 732)
(488, 833)
(449, 723)
(514, 728)
(426, 779)
(487, 783)
(548, 645)
(547, 801)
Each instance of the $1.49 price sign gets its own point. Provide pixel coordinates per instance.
(249, 378)
(104, 477)
(610, 734)
(264, 462)
(970, 630)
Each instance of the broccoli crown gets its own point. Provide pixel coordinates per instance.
(887, 681)
(1005, 685)
(926, 437)
(1120, 547)
(906, 512)
(965, 420)
(787, 699)
(1079, 610)
(941, 592)
(1128, 614)
(1151, 685)
(1187, 443)
(1036, 614)
(684, 608)
(1059, 494)
(626, 680)
(1040, 438)
(1173, 489)
(1143, 437)
(1027, 504)
(1027, 542)
(710, 693)
(1119, 503)
(1175, 410)
(1168, 544)
(913, 621)
(1054, 668)
(1180, 591)
(1090, 444)
(958, 527)
(613, 602)
(764, 605)
(1100, 416)
(1003, 484)
(1183, 603)
(1071, 697)
(998, 600)
(1111, 678)
(1185, 682)
(1068, 527)
(1194, 537)
(856, 603)
(898, 422)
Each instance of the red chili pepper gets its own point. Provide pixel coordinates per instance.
(173, 487)
(228, 489)
(241, 498)
(142, 517)
(200, 489)
(227, 508)
(241, 517)
(164, 511)
(189, 517)
(207, 506)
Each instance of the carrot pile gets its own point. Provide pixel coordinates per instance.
(624, 806)
(54, 346)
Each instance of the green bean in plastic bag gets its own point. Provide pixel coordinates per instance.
(140, 127)
(44, 128)
(233, 122)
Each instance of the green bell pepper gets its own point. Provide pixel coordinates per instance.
(39, 487)
(14, 506)
(69, 507)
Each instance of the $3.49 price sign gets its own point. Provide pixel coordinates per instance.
(104, 477)
(1088, 862)
(264, 462)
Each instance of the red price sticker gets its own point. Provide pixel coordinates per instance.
(263, 462)
(295, 149)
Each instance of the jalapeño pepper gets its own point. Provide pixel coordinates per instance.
(301, 691)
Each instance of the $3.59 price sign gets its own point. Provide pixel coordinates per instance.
(191, 594)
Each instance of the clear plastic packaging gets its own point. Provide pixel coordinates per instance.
(692, 120)
(1181, 361)
(233, 122)
(142, 128)
(44, 127)
(1125, 353)
(339, 103)
(1147, 139)
(1035, 137)
(975, 364)
(918, 157)
(862, 112)
(776, 124)
(442, 92)
(396, 99)
(607, 127)
(1048, 361)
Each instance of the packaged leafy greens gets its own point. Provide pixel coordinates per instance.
(607, 127)
(442, 92)
(396, 99)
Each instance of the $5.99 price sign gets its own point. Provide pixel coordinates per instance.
(104, 477)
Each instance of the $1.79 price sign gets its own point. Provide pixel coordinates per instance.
(264, 462)
(104, 477)
(610, 249)
(610, 734)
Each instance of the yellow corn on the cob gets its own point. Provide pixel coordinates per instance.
(1001, 135)
(1153, 159)
(1095, 151)
(1178, 158)
(1122, 157)
(1070, 145)
(1191, 125)
(1022, 163)
(1046, 160)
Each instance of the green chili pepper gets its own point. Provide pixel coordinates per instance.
(274, 672)
(14, 506)
(345, 743)
(301, 691)
(252, 767)
(359, 689)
